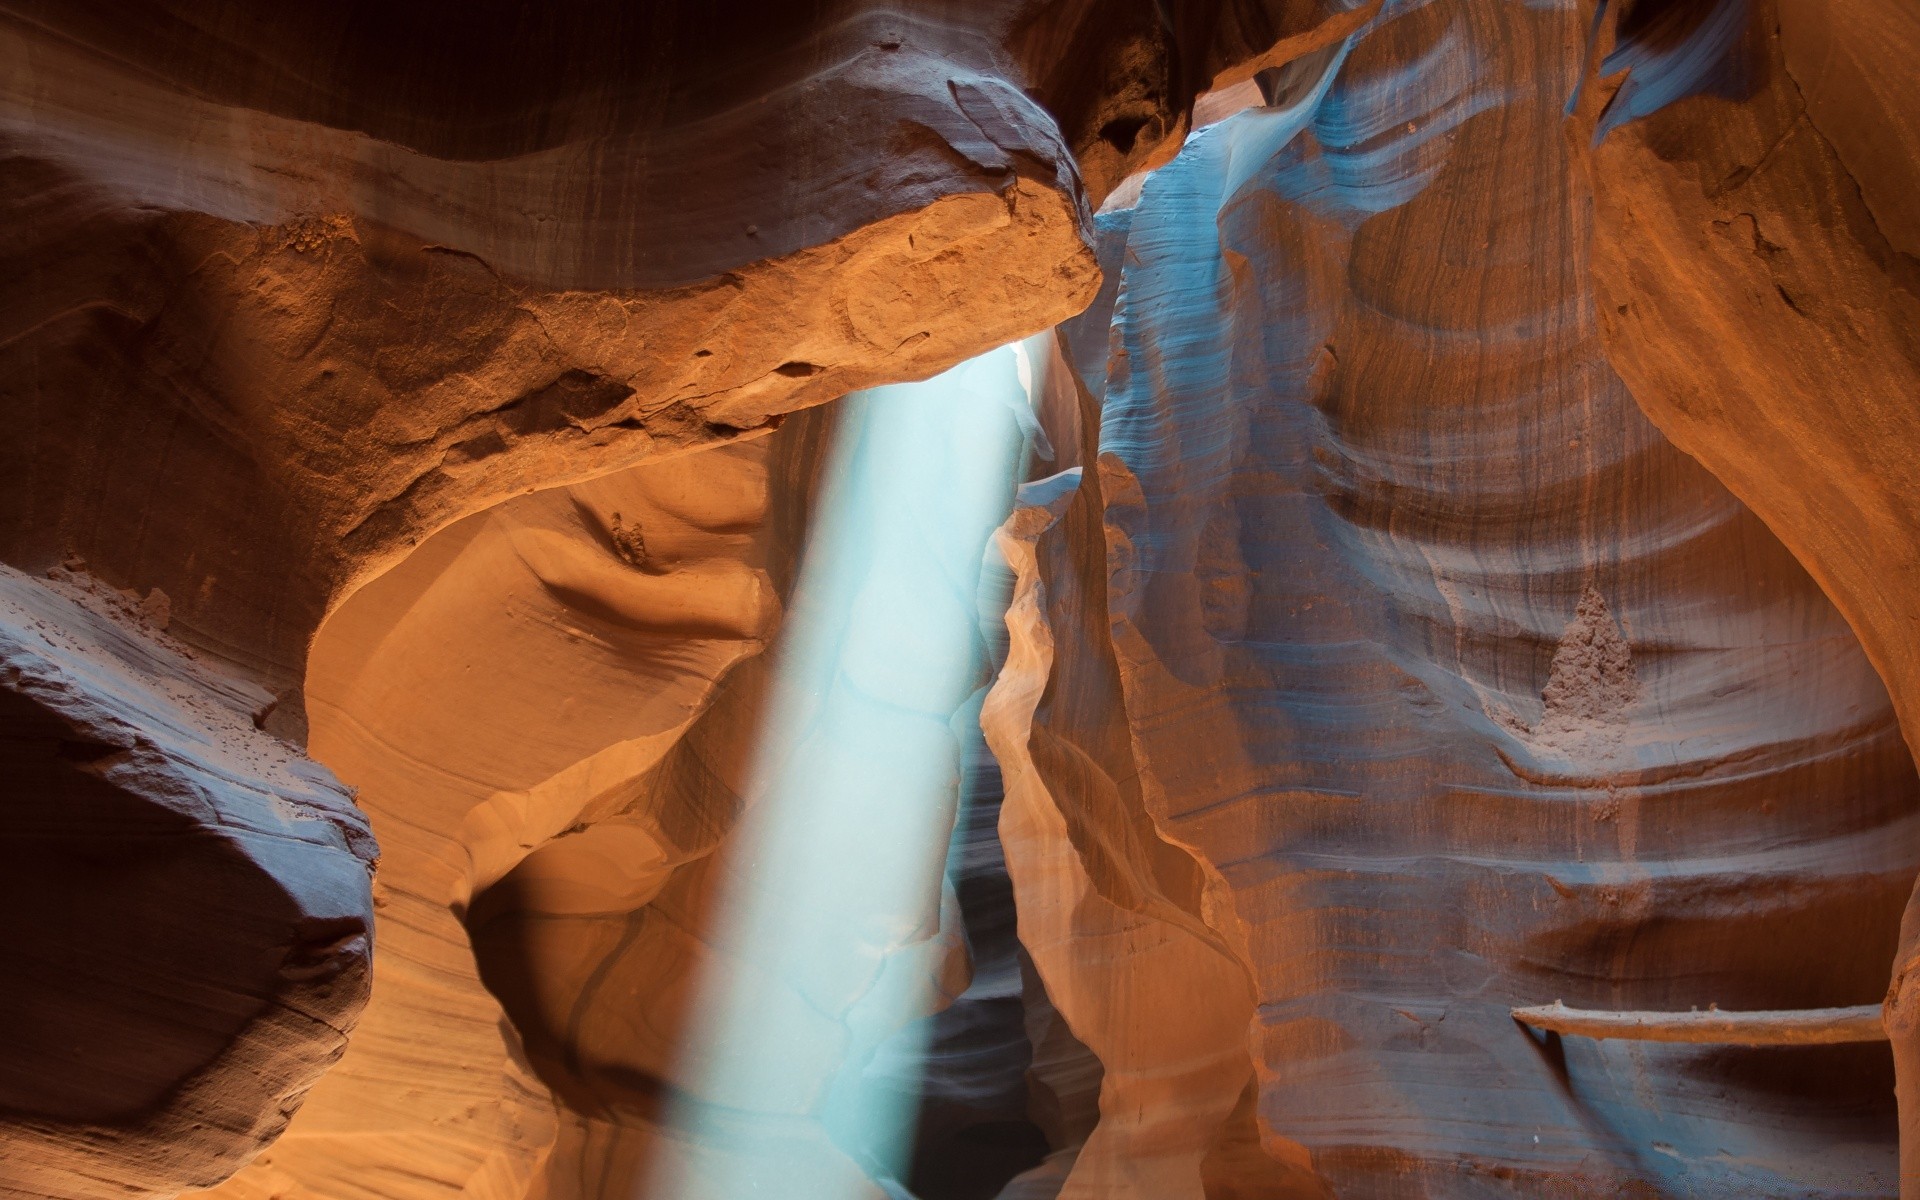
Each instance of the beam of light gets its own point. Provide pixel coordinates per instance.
(827, 930)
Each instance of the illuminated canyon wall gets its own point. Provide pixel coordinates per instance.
(1466, 561)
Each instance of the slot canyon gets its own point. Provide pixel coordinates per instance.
(960, 599)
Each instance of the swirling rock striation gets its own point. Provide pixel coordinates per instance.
(367, 270)
(582, 751)
(1757, 228)
(285, 293)
(272, 246)
(1375, 667)
(1449, 683)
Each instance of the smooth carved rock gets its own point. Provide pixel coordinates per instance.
(582, 751)
(1108, 907)
(188, 922)
(556, 835)
(366, 272)
(575, 826)
(1375, 669)
(1443, 682)
(1756, 233)
(287, 292)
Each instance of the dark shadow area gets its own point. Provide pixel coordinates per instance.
(136, 942)
(974, 1133)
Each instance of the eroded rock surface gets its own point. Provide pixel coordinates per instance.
(1756, 233)
(572, 638)
(188, 922)
(349, 341)
(287, 293)
(1374, 665)
(367, 271)
(1439, 682)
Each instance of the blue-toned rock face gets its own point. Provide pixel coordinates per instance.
(1461, 687)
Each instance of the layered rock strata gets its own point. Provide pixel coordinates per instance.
(1757, 227)
(1375, 667)
(530, 816)
(367, 271)
(349, 340)
(1389, 670)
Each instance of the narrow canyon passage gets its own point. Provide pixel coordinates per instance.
(1460, 685)
(1023, 600)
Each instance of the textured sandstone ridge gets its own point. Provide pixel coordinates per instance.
(370, 269)
(349, 343)
(188, 921)
(1435, 682)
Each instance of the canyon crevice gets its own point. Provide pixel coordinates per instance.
(1450, 627)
